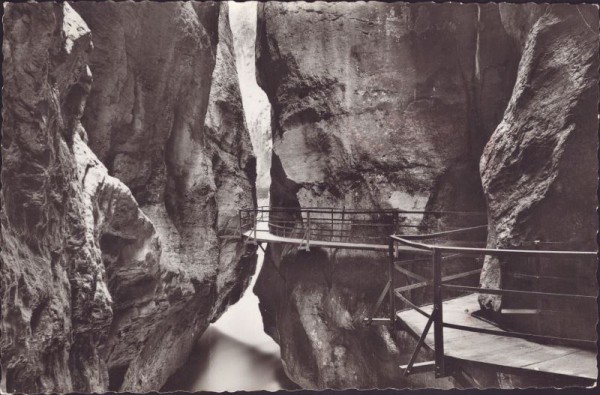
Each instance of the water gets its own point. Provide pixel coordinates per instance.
(234, 354)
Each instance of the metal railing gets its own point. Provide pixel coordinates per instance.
(437, 254)
(445, 240)
(342, 225)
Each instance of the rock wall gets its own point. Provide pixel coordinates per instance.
(58, 203)
(539, 169)
(353, 123)
(400, 124)
(165, 115)
(108, 280)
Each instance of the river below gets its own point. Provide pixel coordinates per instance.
(234, 354)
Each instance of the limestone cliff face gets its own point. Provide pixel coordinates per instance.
(108, 280)
(382, 125)
(375, 105)
(58, 204)
(539, 169)
(165, 115)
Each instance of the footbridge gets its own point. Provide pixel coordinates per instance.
(345, 228)
(433, 290)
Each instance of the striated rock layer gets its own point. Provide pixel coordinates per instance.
(108, 280)
(389, 108)
(539, 170)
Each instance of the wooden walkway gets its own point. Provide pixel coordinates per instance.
(267, 237)
(509, 352)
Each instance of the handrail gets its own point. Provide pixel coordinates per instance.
(343, 225)
(488, 251)
(436, 251)
(328, 210)
(445, 233)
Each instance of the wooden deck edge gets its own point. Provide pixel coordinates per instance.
(585, 381)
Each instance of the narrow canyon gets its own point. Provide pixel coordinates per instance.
(133, 133)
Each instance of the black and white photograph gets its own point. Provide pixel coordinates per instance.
(211, 196)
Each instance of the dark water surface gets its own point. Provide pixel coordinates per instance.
(234, 354)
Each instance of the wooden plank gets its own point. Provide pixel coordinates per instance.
(516, 354)
(474, 350)
(513, 353)
(415, 323)
(581, 363)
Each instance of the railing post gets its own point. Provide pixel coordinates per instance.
(331, 225)
(342, 223)
(538, 268)
(392, 284)
(308, 230)
(255, 225)
(438, 327)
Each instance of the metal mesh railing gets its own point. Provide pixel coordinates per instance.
(347, 225)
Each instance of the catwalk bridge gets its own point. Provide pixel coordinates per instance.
(436, 257)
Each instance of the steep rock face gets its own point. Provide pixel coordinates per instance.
(165, 116)
(234, 166)
(539, 169)
(97, 293)
(399, 124)
(58, 204)
(381, 125)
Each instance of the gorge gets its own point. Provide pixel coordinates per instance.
(134, 132)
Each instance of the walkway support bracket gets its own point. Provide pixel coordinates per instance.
(408, 369)
(421, 367)
(376, 321)
(377, 305)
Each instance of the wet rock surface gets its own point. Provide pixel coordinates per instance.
(110, 274)
(369, 126)
(539, 169)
